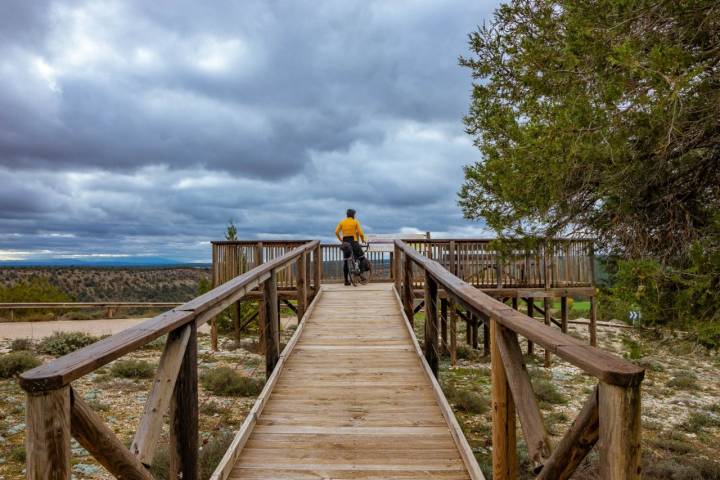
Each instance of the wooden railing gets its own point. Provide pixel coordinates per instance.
(609, 417)
(556, 263)
(55, 412)
(109, 307)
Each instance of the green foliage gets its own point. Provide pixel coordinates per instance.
(132, 369)
(699, 421)
(227, 381)
(466, 399)
(590, 118)
(15, 363)
(18, 454)
(33, 290)
(208, 459)
(231, 231)
(62, 343)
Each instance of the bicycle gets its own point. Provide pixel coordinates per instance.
(359, 267)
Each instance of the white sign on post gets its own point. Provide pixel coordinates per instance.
(384, 242)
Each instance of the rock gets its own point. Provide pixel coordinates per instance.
(85, 468)
(16, 429)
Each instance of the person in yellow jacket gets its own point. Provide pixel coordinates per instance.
(349, 231)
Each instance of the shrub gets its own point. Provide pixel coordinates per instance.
(709, 336)
(471, 402)
(208, 459)
(698, 421)
(62, 343)
(212, 407)
(547, 392)
(18, 454)
(132, 369)
(15, 363)
(683, 381)
(227, 381)
(21, 344)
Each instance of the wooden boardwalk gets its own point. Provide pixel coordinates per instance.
(353, 400)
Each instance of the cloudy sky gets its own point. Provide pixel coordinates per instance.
(141, 128)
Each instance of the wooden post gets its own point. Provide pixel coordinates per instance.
(318, 268)
(444, 326)
(47, 440)
(531, 313)
(546, 304)
(593, 321)
(453, 335)
(301, 286)
(431, 323)
(619, 442)
(12, 315)
(487, 338)
(259, 260)
(468, 330)
(504, 451)
(184, 437)
(396, 268)
(271, 316)
(408, 294)
(237, 314)
(563, 314)
(453, 258)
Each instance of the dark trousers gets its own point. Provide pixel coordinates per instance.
(347, 253)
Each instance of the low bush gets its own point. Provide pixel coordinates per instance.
(21, 344)
(15, 363)
(699, 421)
(683, 381)
(208, 459)
(546, 391)
(228, 382)
(62, 343)
(18, 454)
(132, 369)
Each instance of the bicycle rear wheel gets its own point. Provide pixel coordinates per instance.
(351, 271)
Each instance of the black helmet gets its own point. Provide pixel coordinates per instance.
(350, 213)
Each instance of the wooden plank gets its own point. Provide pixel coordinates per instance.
(271, 317)
(593, 321)
(453, 335)
(47, 439)
(184, 440)
(504, 452)
(619, 415)
(575, 445)
(564, 314)
(95, 437)
(546, 314)
(408, 289)
(531, 421)
(150, 426)
(224, 468)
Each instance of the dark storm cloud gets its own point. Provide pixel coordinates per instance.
(153, 123)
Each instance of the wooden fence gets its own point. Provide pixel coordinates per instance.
(557, 263)
(609, 417)
(55, 412)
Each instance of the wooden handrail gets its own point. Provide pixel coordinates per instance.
(611, 416)
(71, 305)
(607, 367)
(64, 370)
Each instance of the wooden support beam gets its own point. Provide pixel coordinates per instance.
(564, 314)
(408, 289)
(158, 402)
(95, 437)
(453, 335)
(317, 281)
(593, 321)
(302, 292)
(47, 439)
(431, 324)
(575, 445)
(531, 313)
(397, 268)
(419, 306)
(236, 314)
(184, 416)
(546, 313)
(271, 317)
(444, 326)
(259, 260)
(531, 421)
(289, 305)
(504, 451)
(619, 413)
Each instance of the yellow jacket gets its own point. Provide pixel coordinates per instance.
(349, 228)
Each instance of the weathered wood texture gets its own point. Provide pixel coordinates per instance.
(504, 452)
(619, 442)
(95, 437)
(184, 439)
(271, 318)
(352, 401)
(47, 439)
(432, 354)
